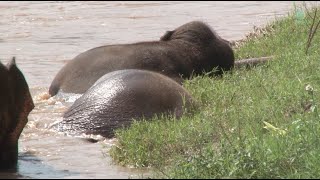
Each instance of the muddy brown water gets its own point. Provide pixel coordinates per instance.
(45, 35)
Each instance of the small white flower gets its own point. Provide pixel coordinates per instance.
(309, 88)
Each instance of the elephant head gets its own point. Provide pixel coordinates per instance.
(15, 105)
(212, 50)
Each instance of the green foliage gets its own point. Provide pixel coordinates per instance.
(257, 123)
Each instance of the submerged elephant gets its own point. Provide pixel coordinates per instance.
(121, 96)
(192, 48)
(15, 105)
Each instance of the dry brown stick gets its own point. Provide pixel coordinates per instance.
(311, 28)
(312, 31)
(251, 61)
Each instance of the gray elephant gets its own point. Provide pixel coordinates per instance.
(121, 96)
(190, 49)
(15, 105)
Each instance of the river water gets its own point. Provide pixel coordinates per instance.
(45, 35)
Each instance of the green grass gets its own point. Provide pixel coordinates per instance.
(257, 123)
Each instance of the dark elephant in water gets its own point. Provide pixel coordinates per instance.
(15, 105)
(190, 49)
(121, 96)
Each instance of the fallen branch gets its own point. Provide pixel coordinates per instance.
(251, 62)
(312, 30)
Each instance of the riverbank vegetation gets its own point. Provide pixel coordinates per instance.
(262, 122)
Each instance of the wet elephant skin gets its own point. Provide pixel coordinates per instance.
(121, 96)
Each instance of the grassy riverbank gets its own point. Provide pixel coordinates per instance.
(257, 123)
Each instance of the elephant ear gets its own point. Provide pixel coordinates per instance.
(21, 98)
(166, 36)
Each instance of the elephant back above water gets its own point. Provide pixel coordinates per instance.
(190, 49)
(121, 96)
